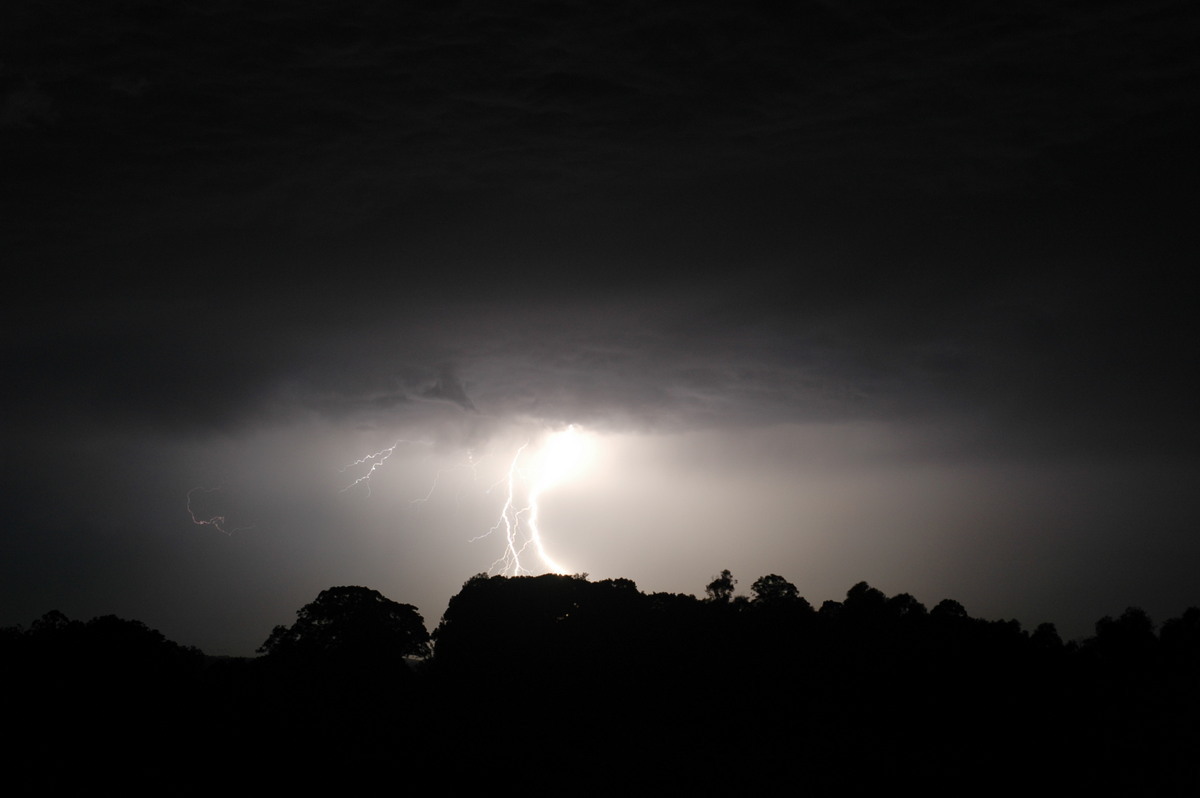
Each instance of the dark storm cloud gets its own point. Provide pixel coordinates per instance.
(335, 111)
(682, 212)
(448, 388)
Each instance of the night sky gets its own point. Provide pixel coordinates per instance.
(840, 290)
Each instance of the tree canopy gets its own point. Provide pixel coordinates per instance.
(720, 589)
(773, 589)
(351, 621)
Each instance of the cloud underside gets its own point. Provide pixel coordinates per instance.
(672, 216)
(316, 118)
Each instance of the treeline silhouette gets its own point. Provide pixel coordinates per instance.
(561, 683)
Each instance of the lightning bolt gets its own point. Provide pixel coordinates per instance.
(373, 461)
(518, 521)
(518, 538)
(217, 522)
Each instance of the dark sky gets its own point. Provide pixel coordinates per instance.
(839, 290)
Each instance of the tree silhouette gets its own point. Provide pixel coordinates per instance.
(498, 623)
(351, 621)
(720, 590)
(1180, 637)
(864, 601)
(1045, 637)
(1126, 640)
(988, 693)
(949, 609)
(774, 590)
(904, 605)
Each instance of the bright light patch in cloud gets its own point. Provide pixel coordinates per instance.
(824, 505)
(541, 462)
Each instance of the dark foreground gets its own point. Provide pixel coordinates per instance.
(558, 684)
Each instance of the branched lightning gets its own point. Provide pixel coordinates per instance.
(518, 521)
(374, 461)
(517, 537)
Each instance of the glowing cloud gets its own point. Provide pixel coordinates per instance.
(534, 468)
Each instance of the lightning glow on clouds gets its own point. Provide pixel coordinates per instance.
(538, 465)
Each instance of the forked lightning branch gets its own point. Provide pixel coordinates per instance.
(532, 471)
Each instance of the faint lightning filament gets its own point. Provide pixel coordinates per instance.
(217, 522)
(373, 461)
